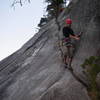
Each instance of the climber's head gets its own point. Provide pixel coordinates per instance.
(68, 22)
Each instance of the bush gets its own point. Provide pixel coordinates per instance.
(92, 68)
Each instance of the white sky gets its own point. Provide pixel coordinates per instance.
(19, 25)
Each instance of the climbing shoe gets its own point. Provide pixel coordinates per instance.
(70, 68)
(66, 65)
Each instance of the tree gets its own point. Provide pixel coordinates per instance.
(19, 2)
(53, 7)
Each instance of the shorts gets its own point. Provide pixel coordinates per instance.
(67, 48)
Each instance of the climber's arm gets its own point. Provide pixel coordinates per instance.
(74, 37)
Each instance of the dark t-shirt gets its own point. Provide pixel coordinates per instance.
(67, 31)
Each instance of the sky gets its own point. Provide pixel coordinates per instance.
(18, 25)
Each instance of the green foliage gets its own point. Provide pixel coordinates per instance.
(88, 61)
(57, 2)
(92, 66)
(53, 7)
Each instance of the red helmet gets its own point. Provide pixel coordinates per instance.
(68, 21)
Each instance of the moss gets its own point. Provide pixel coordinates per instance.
(93, 64)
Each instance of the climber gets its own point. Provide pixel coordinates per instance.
(68, 34)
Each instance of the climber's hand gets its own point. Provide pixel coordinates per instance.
(80, 34)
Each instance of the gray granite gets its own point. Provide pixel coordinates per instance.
(36, 71)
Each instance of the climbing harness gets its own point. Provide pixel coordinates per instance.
(70, 51)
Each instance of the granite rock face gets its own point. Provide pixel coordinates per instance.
(36, 71)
